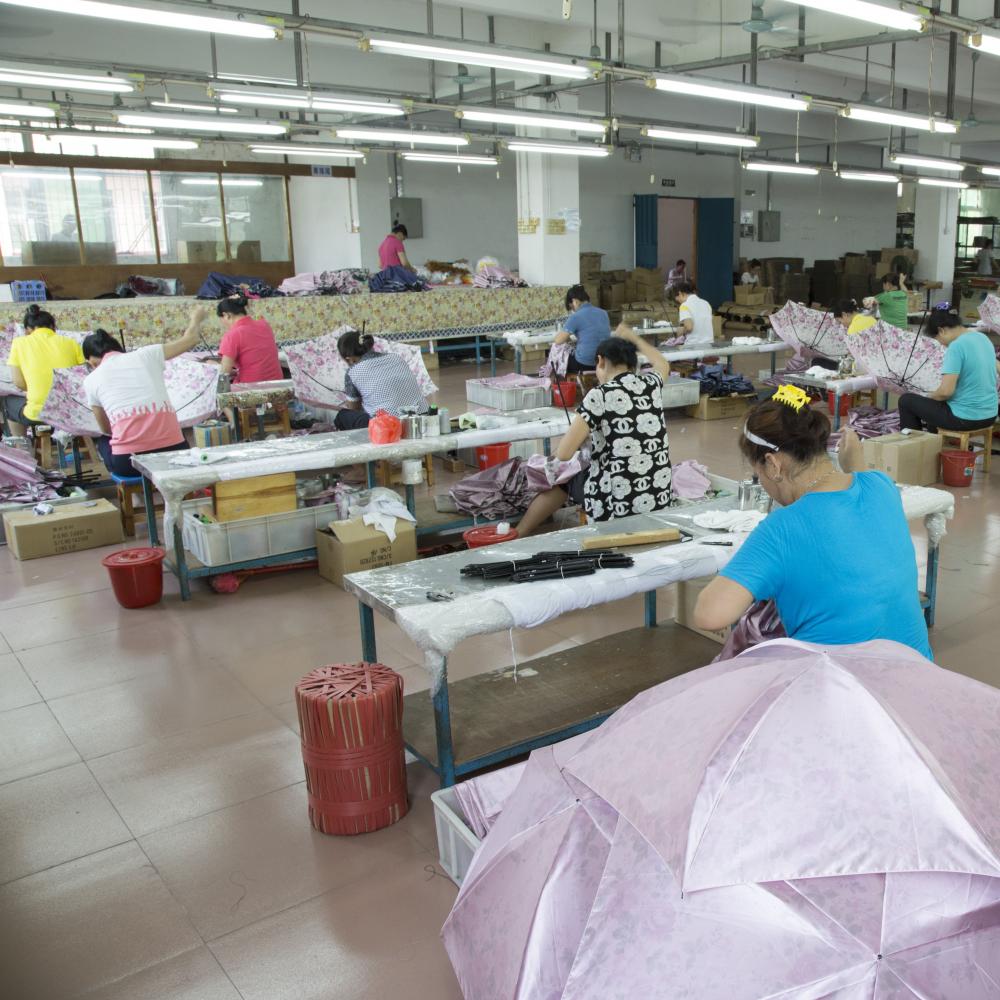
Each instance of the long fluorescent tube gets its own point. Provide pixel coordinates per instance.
(25, 110)
(226, 182)
(293, 149)
(868, 175)
(922, 123)
(990, 171)
(941, 182)
(102, 129)
(485, 161)
(911, 160)
(770, 166)
(722, 91)
(64, 81)
(531, 120)
(415, 138)
(872, 12)
(558, 149)
(705, 138)
(156, 17)
(984, 43)
(494, 58)
(206, 124)
(305, 102)
(183, 106)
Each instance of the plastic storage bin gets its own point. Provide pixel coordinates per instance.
(680, 392)
(518, 449)
(456, 842)
(505, 398)
(28, 291)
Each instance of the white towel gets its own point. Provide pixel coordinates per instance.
(729, 520)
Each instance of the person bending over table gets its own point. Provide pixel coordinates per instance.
(630, 454)
(966, 399)
(128, 395)
(375, 381)
(391, 252)
(695, 315)
(32, 360)
(248, 345)
(851, 318)
(836, 557)
(588, 324)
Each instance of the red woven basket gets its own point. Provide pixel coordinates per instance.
(351, 720)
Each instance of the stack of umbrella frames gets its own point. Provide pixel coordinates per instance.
(549, 566)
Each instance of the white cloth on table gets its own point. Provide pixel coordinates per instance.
(729, 520)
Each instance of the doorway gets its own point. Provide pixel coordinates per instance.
(677, 234)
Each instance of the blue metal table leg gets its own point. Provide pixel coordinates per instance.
(649, 600)
(371, 475)
(517, 360)
(931, 585)
(411, 500)
(774, 358)
(836, 411)
(442, 730)
(479, 357)
(493, 356)
(150, 505)
(546, 447)
(368, 651)
(180, 564)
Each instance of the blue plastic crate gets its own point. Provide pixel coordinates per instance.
(28, 291)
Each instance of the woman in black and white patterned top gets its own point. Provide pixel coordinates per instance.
(630, 455)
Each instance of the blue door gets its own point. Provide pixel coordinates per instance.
(646, 225)
(715, 249)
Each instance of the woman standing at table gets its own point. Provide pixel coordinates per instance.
(836, 557)
(248, 346)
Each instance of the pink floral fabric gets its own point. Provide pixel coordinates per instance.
(809, 331)
(989, 313)
(899, 360)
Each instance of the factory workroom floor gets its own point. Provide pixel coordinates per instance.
(154, 837)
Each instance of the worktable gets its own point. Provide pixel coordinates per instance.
(838, 386)
(723, 349)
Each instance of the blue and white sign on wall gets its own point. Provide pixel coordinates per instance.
(322, 170)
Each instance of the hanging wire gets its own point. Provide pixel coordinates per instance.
(836, 141)
(930, 82)
(798, 122)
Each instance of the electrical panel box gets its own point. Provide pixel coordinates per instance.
(408, 212)
(768, 226)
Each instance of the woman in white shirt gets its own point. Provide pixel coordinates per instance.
(984, 260)
(695, 315)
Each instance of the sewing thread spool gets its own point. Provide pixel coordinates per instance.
(413, 471)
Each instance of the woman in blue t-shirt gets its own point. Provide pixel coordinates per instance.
(836, 557)
(967, 396)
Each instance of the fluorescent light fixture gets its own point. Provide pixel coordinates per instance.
(984, 43)
(42, 175)
(414, 138)
(990, 171)
(495, 58)
(152, 141)
(771, 166)
(723, 91)
(242, 127)
(64, 81)
(557, 148)
(912, 160)
(526, 118)
(266, 81)
(484, 161)
(942, 182)
(25, 110)
(705, 138)
(10, 121)
(156, 17)
(101, 129)
(873, 13)
(183, 106)
(875, 176)
(314, 102)
(922, 123)
(236, 182)
(293, 149)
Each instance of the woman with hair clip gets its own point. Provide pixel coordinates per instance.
(623, 417)
(836, 557)
(966, 399)
(32, 360)
(375, 381)
(248, 345)
(128, 395)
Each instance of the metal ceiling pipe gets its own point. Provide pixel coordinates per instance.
(952, 67)
(621, 32)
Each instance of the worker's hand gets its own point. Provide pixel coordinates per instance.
(849, 451)
(869, 302)
(624, 331)
(199, 314)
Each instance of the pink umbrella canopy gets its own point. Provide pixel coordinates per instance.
(899, 360)
(989, 313)
(809, 331)
(800, 822)
(318, 370)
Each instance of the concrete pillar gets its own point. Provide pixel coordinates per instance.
(936, 218)
(546, 186)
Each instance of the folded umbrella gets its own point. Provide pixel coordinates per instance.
(899, 360)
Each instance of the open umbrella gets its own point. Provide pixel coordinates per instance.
(318, 370)
(801, 822)
(899, 360)
(989, 313)
(809, 331)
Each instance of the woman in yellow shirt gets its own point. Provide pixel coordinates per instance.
(32, 360)
(851, 317)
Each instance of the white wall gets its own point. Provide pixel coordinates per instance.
(324, 213)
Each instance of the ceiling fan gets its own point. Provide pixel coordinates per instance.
(758, 23)
(971, 121)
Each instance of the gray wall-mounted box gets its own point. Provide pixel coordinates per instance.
(768, 226)
(409, 212)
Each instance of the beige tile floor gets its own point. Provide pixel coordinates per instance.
(154, 838)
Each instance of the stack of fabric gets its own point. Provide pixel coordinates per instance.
(496, 277)
(396, 279)
(716, 381)
(21, 479)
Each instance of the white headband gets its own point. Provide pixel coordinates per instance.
(754, 439)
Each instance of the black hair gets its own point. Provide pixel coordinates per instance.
(232, 305)
(99, 343)
(400, 228)
(987, 243)
(35, 317)
(939, 320)
(577, 292)
(354, 344)
(802, 434)
(755, 263)
(616, 351)
(842, 306)
(682, 288)
(681, 263)
(891, 279)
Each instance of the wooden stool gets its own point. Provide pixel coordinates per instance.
(42, 436)
(129, 489)
(248, 420)
(586, 381)
(963, 438)
(384, 472)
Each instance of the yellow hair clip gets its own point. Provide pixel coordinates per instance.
(791, 395)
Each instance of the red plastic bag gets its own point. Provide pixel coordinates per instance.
(384, 428)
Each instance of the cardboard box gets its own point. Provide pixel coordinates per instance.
(613, 296)
(753, 295)
(69, 528)
(717, 327)
(211, 434)
(352, 546)
(911, 458)
(720, 407)
(687, 596)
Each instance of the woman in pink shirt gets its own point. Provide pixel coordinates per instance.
(391, 252)
(248, 345)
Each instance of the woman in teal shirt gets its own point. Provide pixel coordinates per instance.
(836, 558)
(967, 396)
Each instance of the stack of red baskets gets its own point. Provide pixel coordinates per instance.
(351, 720)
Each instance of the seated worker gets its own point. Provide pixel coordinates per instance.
(248, 345)
(630, 454)
(826, 519)
(391, 252)
(892, 301)
(376, 382)
(850, 317)
(966, 399)
(588, 324)
(33, 358)
(751, 276)
(677, 273)
(128, 395)
(696, 315)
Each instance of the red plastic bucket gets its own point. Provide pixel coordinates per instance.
(831, 403)
(957, 467)
(488, 455)
(136, 576)
(477, 538)
(564, 394)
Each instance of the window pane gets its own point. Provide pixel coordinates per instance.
(256, 217)
(116, 216)
(37, 218)
(189, 218)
